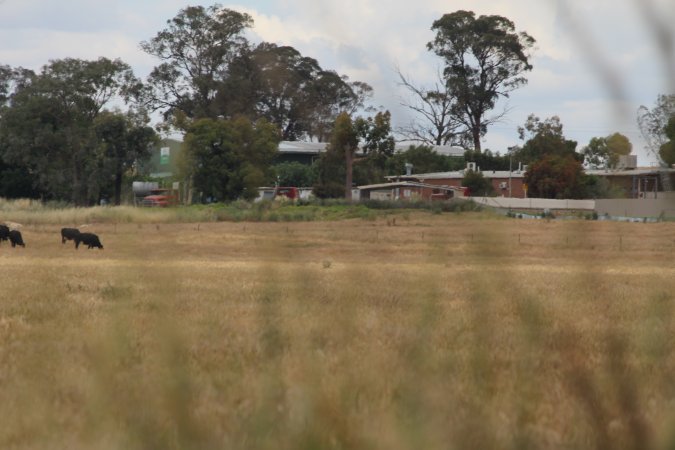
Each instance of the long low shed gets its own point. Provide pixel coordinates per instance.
(409, 190)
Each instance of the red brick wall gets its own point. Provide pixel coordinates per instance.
(517, 190)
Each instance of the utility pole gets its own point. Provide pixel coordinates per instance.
(510, 150)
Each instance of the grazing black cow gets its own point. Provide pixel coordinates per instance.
(69, 234)
(4, 233)
(15, 238)
(89, 239)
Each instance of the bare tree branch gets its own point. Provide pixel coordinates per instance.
(435, 106)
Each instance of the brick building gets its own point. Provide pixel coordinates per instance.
(409, 190)
(650, 182)
(504, 183)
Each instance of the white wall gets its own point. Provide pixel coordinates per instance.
(647, 207)
(637, 207)
(534, 203)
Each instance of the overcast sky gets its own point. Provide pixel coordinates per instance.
(595, 62)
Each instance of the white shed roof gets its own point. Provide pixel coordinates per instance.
(320, 147)
(302, 147)
(628, 172)
(458, 174)
(399, 184)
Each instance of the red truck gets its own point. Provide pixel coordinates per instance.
(288, 192)
(271, 193)
(160, 198)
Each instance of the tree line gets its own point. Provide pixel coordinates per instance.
(73, 130)
(58, 139)
(78, 130)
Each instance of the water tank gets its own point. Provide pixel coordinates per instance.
(627, 162)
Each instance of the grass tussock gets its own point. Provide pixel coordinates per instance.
(430, 331)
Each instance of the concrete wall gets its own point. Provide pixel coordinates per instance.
(637, 207)
(647, 207)
(666, 195)
(535, 203)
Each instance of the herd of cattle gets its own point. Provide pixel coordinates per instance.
(67, 234)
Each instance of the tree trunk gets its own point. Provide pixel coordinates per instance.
(475, 133)
(349, 161)
(118, 187)
(76, 160)
(74, 197)
(187, 191)
(78, 197)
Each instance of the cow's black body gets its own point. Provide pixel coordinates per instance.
(4, 232)
(69, 234)
(15, 238)
(88, 239)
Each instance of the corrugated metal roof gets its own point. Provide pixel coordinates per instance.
(629, 172)
(458, 174)
(302, 147)
(445, 150)
(448, 150)
(320, 147)
(399, 184)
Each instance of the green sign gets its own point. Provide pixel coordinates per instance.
(164, 153)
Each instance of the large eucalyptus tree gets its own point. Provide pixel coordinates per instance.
(485, 59)
(195, 50)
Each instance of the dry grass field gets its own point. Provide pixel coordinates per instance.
(430, 331)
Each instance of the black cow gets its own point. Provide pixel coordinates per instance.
(15, 238)
(89, 239)
(4, 233)
(69, 234)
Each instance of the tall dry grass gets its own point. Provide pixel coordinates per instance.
(433, 331)
(34, 212)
